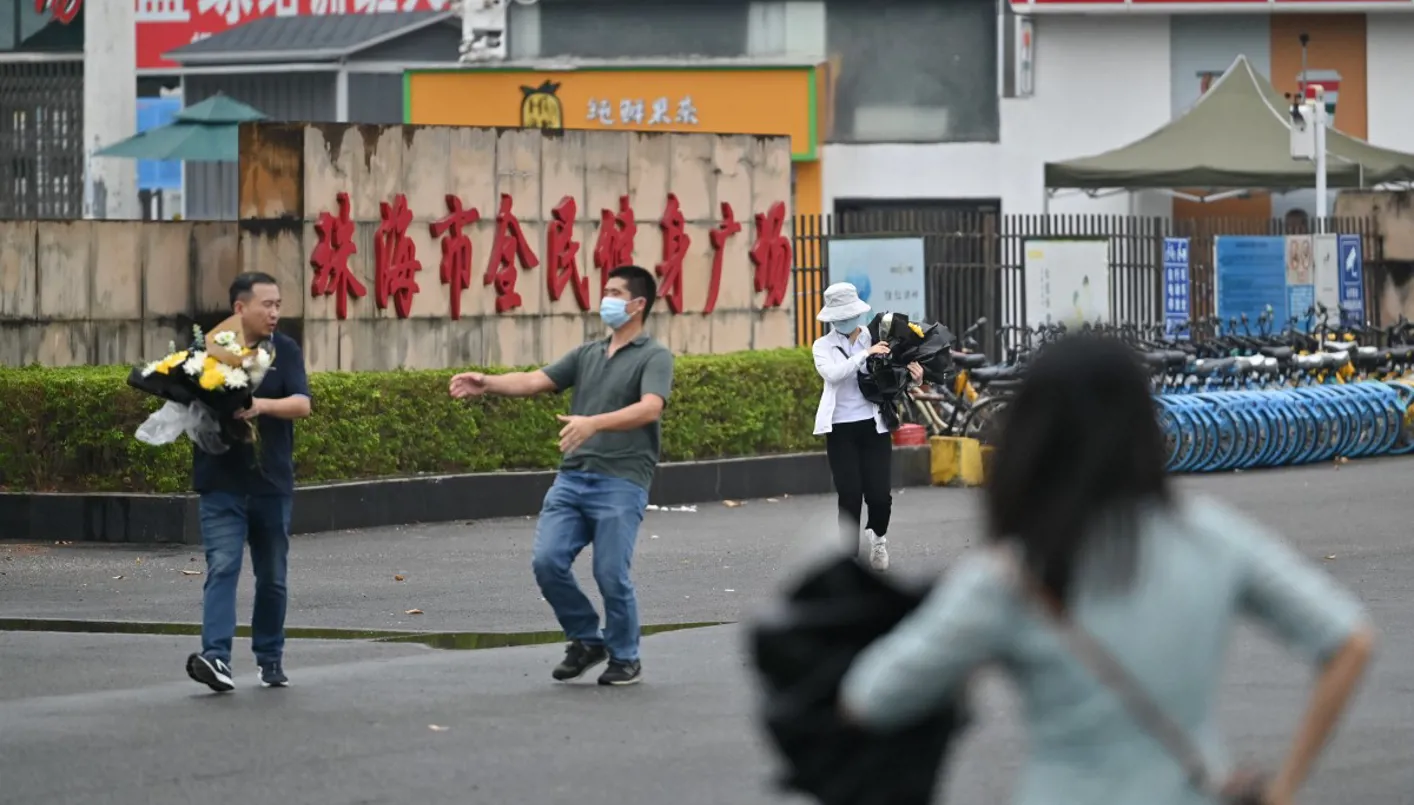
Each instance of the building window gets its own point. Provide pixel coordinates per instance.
(19, 21)
(913, 70)
(627, 29)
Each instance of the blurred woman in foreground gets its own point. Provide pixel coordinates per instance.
(1092, 559)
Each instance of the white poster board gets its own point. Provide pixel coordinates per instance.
(889, 273)
(1067, 281)
(1327, 266)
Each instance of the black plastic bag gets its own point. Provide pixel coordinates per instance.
(802, 652)
(884, 379)
(930, 346)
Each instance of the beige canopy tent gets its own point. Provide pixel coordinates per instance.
(1237, 136)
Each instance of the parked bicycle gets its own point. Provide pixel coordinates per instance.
(1198, 357)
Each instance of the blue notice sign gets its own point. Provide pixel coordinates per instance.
(1352, 280)
(1251, 276)
(1177, 312)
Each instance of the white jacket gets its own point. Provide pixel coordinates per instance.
(830, 361)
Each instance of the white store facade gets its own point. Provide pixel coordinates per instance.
(1107, 73)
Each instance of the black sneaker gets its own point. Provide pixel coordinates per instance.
(273, 676)
(211, 672)
(622, 673)
(579, 657)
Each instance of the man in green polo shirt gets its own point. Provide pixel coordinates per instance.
(610, 445)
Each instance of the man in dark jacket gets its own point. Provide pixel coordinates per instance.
(248, 500)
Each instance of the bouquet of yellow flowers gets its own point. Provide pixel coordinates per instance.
(205, 386)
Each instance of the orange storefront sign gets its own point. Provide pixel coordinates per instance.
(717, 100)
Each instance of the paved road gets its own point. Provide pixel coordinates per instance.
(110, 718)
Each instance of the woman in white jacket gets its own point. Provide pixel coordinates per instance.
(857, 442)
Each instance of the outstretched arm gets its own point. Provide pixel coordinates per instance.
(558, 376)
(520, 384)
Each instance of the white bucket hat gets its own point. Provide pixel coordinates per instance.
(842, 303)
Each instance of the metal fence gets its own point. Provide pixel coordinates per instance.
(975, 261)
(41, 139)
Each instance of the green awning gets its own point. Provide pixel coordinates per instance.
(1236, 137)
(219, 109)
(206, 132)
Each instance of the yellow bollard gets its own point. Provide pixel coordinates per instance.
(956, 461)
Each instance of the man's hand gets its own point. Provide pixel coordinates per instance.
(468, 384)
(576, 432)
(915, 371)
(881, 348)
(257, 407)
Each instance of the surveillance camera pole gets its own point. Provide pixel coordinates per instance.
(1319, 115)
(1317, 105)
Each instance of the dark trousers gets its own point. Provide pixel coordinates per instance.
(860, 459)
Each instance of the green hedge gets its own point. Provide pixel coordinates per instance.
(71, 429)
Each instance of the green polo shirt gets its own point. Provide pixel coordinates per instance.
(604, 384)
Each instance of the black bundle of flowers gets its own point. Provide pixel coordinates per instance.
(205, 386)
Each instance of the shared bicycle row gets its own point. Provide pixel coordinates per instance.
(1231, 395)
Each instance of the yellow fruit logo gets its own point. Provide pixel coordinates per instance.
(541, 108)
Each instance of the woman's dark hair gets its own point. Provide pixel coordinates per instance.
(1080, 455)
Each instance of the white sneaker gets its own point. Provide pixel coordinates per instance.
(878, 551)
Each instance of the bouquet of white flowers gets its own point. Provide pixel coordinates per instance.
(205, 386)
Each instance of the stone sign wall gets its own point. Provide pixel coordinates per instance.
(107, 292)
(427, 246)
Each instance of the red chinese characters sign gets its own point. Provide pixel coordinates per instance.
(165, 25)
(456, 249)
(561, 250)
(675, 246)
(332, 274)
(719, 237)
(509, 245)
(396, 263)
(614, 247)
(772, 255)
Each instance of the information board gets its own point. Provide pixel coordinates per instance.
(1177, 310)
(1251, 276)
(1352, 280)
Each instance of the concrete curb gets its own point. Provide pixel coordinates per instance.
(116, 517)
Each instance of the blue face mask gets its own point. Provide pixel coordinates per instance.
(614, 312)
(848, 326)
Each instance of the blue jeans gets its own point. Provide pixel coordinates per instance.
(580, 508)
(228, 521)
